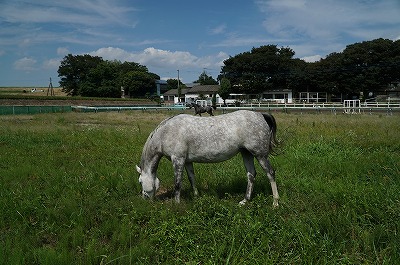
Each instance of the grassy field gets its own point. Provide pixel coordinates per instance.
(21, 96)
(39, 91)
(69, 194)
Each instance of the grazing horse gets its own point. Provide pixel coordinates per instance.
(200, 109)
(185, 139)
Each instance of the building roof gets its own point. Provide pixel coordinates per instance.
(174, 92)
(208, 89)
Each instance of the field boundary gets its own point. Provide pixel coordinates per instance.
(305, 109)
(316, 109)
(14, 110)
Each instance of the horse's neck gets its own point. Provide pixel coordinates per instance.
(150, 158)
(153, 163)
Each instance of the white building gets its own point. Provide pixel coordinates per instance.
(206, 92)
(278, 96)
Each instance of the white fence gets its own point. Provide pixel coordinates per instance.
(334, 108)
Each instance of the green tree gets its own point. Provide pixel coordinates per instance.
(329, 75)
(298, 78)
(91, 76)
(214, 100)
(205, 79)
(101, 81)
(139, 83)
(73, 71)
(366, 67)
(260, 69)
(225, 89)
(173, 84)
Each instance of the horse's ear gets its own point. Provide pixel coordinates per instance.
(138, 169)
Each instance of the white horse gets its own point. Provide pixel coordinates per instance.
(185, 139)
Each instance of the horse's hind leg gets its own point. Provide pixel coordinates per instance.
(190, 173)
(248, 160)
(265, 164)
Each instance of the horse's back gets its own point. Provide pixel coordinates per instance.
(241, 120)
(215, 138)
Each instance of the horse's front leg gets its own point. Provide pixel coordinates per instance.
(178, 164)
(190, 173)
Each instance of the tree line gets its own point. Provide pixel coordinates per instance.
(91, 76)
(361, 68)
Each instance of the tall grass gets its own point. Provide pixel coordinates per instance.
(69, 195)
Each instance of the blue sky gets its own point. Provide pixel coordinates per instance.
(192, 36)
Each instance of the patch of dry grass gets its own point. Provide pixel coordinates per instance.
(39, 91)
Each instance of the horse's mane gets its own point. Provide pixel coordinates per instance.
(160, 125)
(147, 144)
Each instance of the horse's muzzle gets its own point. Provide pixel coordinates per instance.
(147, 195)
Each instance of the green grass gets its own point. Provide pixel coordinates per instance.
(69, 195)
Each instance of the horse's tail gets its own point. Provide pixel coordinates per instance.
(214, 107)
(273, 143)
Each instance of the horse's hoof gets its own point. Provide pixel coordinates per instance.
(242, 202)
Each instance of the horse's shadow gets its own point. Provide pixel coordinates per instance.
(234, 188)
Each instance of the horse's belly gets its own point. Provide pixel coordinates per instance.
(210, 156)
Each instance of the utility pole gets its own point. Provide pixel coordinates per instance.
(50, 89)
(179, 89)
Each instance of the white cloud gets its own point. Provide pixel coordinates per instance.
(160, 58)
(111, 53)
(152, 57)
(325, 24)
(25, 64)
(166, 63)
(312, 58)
(62, 51)
(239, 41)
(218, 29)
(314, 18)
(84, 22)
(52, 64)
(85, 12)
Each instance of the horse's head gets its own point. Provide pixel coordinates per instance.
(150, 183)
